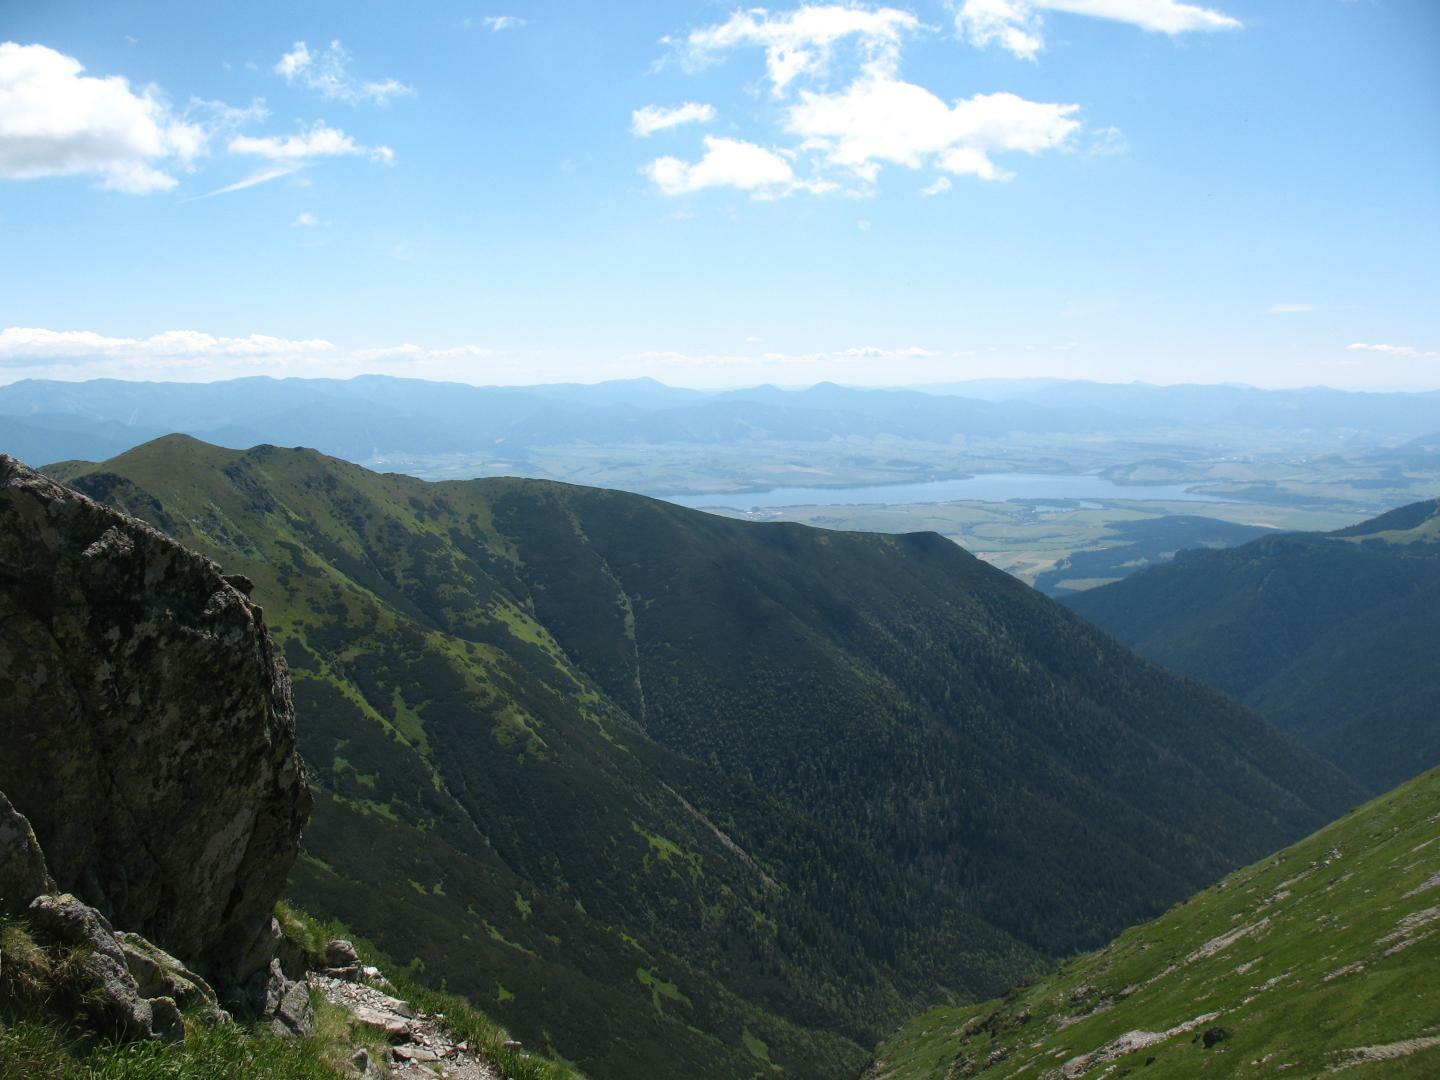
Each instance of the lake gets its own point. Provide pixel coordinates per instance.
(991, 487)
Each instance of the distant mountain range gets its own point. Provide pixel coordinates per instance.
(372, 416)
(679, 795)
(1331, 635)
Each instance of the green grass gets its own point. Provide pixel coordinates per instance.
(1302, 959)
(40, 1052)
(659, 988)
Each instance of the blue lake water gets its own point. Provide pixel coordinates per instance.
(992, 487)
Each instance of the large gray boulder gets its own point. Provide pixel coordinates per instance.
(148, 731)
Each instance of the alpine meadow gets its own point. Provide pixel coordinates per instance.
(842, 540)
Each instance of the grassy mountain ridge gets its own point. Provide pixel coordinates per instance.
(1330, 635)
(675, 792)
(1320, 958)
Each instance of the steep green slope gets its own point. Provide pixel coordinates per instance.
(1332, 635)
(701, 797)
(1321, 958)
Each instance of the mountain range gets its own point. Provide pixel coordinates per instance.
(681, 795)
(373, 416)
(1330, 635)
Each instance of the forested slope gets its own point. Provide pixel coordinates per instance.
(1332, 635)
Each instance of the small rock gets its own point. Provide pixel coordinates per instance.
(340, 953)
(158, 974)
(295, 1015)
(240, 582)
(513, 1044)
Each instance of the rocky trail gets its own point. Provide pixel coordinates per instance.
(419, 1045)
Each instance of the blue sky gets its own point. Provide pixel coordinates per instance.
(522, 191)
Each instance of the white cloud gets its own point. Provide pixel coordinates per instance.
(1011, 24)
(845, 136)
(496, 23)
(1289, 309)
(327, 73)
(939, 187)
(319, 141)
(730, 163)
(879, 119)
(305, 220)
(864, 224)
(1018, 25)
(652, 118)
(1407, 351)
(801, 42)
(54, 121)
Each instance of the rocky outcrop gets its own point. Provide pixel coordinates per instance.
(148, 736)
(125, 986)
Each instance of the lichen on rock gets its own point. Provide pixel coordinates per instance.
(23, 873)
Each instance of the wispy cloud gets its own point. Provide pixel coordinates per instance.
(264, 176)
(327, 72)
(319, 141)
(496, 23)
(803, 41)
(652, 118)
(1406, 351)
(1106, 142)
(1289, 309)
(1018, 26)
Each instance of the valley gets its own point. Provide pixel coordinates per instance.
(613, 766)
